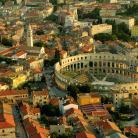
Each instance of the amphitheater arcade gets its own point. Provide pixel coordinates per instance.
(122, 67)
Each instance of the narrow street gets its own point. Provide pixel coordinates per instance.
(20, 131)
(53, 90)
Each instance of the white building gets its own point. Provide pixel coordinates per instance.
(66, 104)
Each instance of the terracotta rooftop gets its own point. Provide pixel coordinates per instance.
(131, 129)
(85, 134)
(26, 109)
(40, 93)
(73, 111)
(12, 92)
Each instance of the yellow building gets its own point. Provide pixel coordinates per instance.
(88, 98)
(101, 28)
(18, 80)
(134, 31)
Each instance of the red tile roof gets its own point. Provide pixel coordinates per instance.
(5, 125)
(34, 129)
(8, 50)
(73, 111)
(26, 109)
(12, 92)
(131, 129)
(54, 101)
(85, 135)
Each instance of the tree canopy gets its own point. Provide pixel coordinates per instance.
(104, 37)
(50, 110)
(120, 31)
(7, 42)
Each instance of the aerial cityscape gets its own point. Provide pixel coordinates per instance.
(68, 68)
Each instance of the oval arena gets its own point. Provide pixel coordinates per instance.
(100, 70)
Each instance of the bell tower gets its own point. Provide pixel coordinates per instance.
(29, 36)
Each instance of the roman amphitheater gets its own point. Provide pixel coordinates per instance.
(103, 71)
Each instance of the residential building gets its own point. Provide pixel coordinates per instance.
(13, 96)
(7, 124)
(101, 28)
(27, 111)
(3, 86)
(107, 128)
(131, 131)
(14, 52)
(34, 129)
(95, 112)
(66, 104)
(85, 134)
(129, 21)
(71, 113)
(60, 129)
(40, 97)
(119, 97)
(108, 12)
(134, 31)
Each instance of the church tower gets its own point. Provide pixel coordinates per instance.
(29, 37)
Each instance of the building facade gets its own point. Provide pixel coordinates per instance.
(122, 67)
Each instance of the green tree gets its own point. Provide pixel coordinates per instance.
(95, 14)
(40, 32)
(73, 91)
(52, 17)
(7, 42)
(50, 110)
(104, 37)
(43, 120)
(39, 44)
(84, 88)
(124, 28)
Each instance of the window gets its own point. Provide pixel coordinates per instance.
(95, 64)
(91, 64)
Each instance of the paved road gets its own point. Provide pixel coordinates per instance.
(53, 90)
(20, 132)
